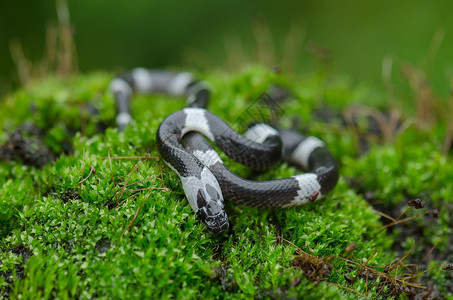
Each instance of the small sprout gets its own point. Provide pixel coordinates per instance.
(296, 282)
(351, 247)
(448, 267)
(417, 203)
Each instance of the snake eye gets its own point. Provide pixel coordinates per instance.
(202, 214)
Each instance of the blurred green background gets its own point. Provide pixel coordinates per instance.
(347, 36)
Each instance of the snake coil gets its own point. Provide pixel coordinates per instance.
(205, 179)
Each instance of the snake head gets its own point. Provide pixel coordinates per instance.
(211, 210)
(205, 198)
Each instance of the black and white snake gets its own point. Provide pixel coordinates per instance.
(205, 179)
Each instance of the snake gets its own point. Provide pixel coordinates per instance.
(184, 141)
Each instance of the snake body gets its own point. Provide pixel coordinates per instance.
(205, 178)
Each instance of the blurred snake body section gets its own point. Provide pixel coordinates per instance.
(206, 181)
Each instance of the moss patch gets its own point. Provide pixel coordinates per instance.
(88, 226)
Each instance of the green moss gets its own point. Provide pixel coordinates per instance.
(73, 219)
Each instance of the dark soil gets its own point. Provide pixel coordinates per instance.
(416, 229)
(19, 250)
(26, 144)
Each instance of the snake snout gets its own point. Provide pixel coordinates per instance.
(217, 223)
